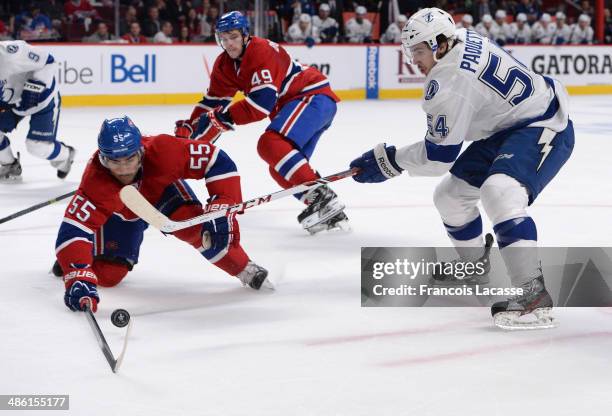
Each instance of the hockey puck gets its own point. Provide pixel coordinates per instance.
(120, 318)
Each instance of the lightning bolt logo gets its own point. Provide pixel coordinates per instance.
(545, 139)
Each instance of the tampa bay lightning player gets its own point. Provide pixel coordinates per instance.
(28, 88)
(518, 125)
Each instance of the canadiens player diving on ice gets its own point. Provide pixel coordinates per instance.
(298, 100)
(518, 125)
(99, 239)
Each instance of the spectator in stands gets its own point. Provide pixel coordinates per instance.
(560, 30)
(466, 22)
(152, 24)
(326, 25)
(39, 20)
(540, 31)
(582, 32)
(165, 34)
(303, 31)
(100, 35)
(208, 24)
(359, 28)
(184, 35)
(530, 9)
(394, 31)
(176, 11)
(295, 8)
(587, 8)
(482, 8)
(4, 33)
(130, 16)
(520, 30)
(487, 27)
(607, 26)
(134, 35)
(80, 11)
(192, 22)
(501, 28)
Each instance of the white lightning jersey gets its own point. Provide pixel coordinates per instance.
(20, 62)
(475, 91)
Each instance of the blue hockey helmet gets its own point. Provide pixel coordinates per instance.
(118, 138)
(232, 21)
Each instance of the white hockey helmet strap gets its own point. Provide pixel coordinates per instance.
(424, 26)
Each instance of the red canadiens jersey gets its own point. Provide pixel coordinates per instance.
(166, 160)
(267, 76)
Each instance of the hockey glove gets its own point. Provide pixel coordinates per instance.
(81, 289)
(33, 93)
(377, 165)
(220, 233)
(212, 124)
(183, 128)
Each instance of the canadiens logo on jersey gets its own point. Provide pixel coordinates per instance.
(432, 89)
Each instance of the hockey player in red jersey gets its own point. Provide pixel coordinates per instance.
(99, 239)
(297, 99)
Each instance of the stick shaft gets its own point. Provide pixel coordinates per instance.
(145, 210)
(35, 207)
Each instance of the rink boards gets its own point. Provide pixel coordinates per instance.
(119, 74)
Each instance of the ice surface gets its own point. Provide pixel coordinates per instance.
(203, 345)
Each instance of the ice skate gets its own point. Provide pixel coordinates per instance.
(255, 277)
(529, 310)
(322, 210)
(11, 172)
(338, 222)
(63, 167)
(57, 269)
(439, 277)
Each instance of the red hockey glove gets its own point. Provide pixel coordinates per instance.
(184, 128)
(212, 124)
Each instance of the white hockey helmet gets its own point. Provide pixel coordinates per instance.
(424, 26)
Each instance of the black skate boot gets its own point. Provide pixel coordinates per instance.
(323, 205)
(57, 269)
(11, 172)
(63, 167)
(254, 276)
(439, 277)
(534, 301)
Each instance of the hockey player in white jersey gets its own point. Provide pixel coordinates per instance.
(582, 32)
(520, 32)
(541, 31)
(28, 88)
(561, 31)
(521, 135)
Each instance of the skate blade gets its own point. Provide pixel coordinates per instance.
(326, 213)
(512, 321)
(339, 227)
(12, 180)
(267, 284)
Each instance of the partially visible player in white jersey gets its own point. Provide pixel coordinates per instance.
(582, 32)
(541, 31)
(28, 88)
(560, 30)
(520, 32)
(521, 135)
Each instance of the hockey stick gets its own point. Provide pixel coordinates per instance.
(145, 210)
(37, 206)
(108, 354)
